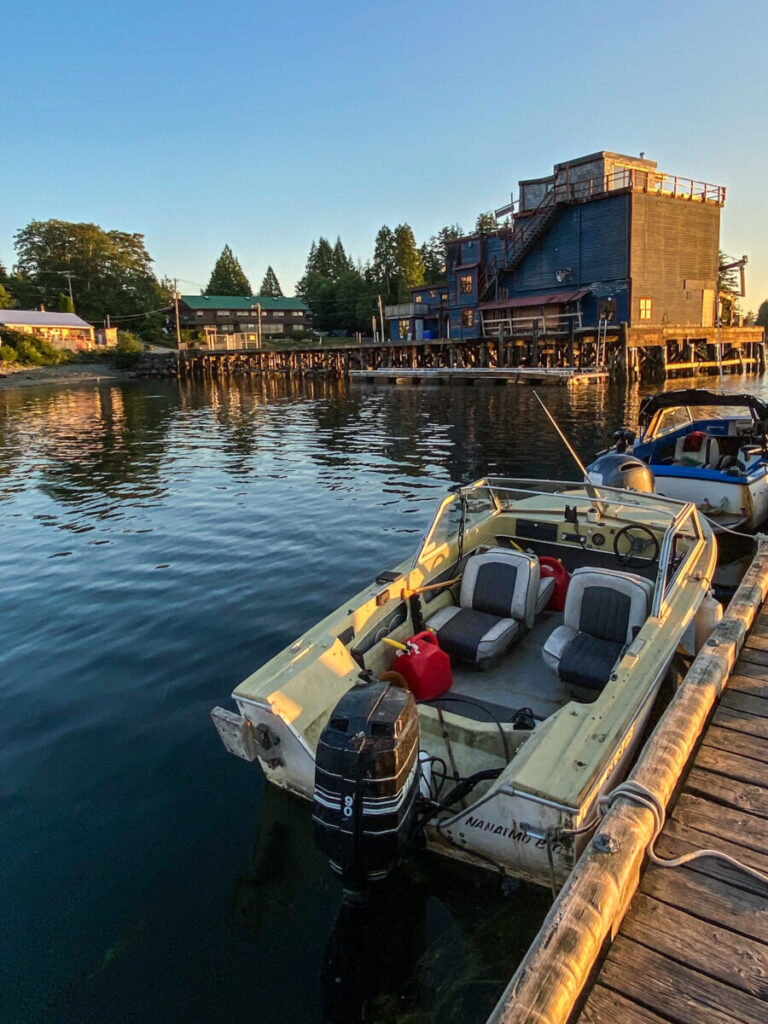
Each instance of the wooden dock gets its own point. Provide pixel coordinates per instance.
(569, 376)
(685, 944)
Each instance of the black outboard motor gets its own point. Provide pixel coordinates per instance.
(366, 782)
(616, 470)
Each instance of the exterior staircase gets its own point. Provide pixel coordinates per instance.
(528, 230)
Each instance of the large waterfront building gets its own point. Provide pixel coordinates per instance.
(603, 238)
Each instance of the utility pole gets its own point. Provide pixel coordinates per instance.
(258, 320)
(69, 275)
(176, 308)
(381, 319)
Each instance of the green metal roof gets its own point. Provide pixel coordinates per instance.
(242, 302)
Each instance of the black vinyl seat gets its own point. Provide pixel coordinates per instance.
(603, 611)
(500, 593)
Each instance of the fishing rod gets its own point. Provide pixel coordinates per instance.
(591, 491)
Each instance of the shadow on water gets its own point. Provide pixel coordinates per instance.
(437, 941)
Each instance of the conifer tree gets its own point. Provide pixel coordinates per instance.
(227, 277)
(486, 223)
(66, 305)
(270, 285)
(410, 266)
(384, 268)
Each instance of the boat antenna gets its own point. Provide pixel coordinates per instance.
(589, 487)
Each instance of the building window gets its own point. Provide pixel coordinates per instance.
(645, 309)
(465, 284)
(417, 298)
(432, 293)
(298, 312)
(467, 318)
(199, 313)
(278, 312)
(404, 329)
(222, 312)
(444, 298)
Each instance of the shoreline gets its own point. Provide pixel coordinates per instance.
(14, 376)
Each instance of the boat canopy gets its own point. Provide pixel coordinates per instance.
(698, 396)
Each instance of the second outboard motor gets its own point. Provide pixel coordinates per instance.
(616, 470)
(367, 782)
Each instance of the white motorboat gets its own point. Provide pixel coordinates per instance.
(561, 607)
(708, 447)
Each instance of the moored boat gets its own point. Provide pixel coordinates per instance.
(561, 607)
(708, 447)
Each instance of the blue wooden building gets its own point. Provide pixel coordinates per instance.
(423, 318)
(604, 239)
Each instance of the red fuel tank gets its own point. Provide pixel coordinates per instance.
(426, 668)
(554, 567)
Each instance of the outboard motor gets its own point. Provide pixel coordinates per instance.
(617, 470)
(366, 782)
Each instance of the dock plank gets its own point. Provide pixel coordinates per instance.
(734, 825)
(733, 765)
(737, 742)
(678, 839)
(604, 1006)
(676, 934)
(720, 788)
(744, 701)
(740, 721)
(677, 992)
(709, 899)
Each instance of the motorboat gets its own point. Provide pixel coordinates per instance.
(708, 447)
(485, 692)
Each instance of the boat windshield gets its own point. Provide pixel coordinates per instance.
(678, 416)
(469, 506)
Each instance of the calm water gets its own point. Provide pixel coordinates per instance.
(158, 543)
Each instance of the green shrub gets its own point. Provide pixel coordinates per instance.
(31, 350)
(8, 354)
(128, 343)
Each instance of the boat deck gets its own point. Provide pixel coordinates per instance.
(520, 680)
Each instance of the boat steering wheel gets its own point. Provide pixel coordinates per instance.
(639, 538)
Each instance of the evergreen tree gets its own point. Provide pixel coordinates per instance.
(762, 315)
(66, 305)
(434, 251)
(384, 267)
(410, 267)
(227, 277)
(341, 262)
(270, 285)
(486, 223)
(7, 301)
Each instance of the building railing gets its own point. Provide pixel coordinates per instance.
(501, 325)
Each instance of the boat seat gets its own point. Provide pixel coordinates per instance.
(603, 611)
(697, 449)
(499, 595)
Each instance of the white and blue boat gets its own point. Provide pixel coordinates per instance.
(706, 447)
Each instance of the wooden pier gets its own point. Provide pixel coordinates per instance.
(689, 943)
(563, 375)
(620, 352)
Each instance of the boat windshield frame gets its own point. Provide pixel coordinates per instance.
(678, 513)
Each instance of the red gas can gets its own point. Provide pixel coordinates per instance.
(426, 668)
(554, 567)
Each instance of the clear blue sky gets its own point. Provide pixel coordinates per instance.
(267, 125)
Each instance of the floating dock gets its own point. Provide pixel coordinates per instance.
(683, 944)
(568, 376)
